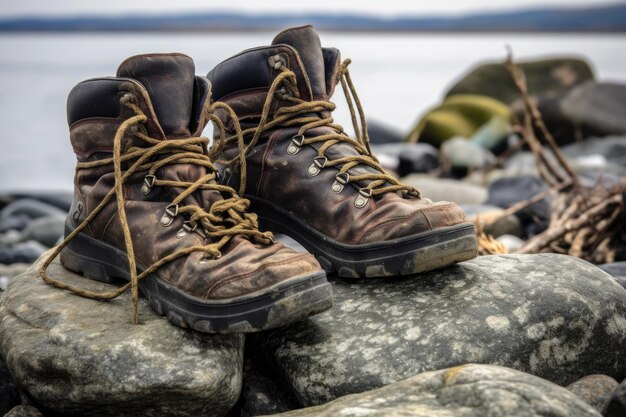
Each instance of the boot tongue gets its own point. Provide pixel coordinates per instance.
(169, 80)
(306, 41)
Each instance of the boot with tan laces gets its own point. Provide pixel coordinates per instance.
(308, 179)
(147, 209)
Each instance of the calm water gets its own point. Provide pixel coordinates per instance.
(397, 76)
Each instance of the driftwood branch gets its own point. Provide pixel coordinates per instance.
(587, 222)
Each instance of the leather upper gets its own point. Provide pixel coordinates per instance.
(282, 178)
(95, 114)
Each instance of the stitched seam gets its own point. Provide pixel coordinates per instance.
(109, 223)
(266, 155)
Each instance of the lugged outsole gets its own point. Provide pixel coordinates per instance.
(284, 303)
(403, 256)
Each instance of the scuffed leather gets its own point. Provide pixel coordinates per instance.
(244, 267)
(282, 179)
(307, 42)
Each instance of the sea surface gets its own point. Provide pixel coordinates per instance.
(398, 77)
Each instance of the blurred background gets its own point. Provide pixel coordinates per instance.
(406, 55)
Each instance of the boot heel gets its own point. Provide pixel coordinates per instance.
(94, 259)
(89, 268)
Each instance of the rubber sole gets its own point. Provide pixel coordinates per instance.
(404, 256)
(284, 303)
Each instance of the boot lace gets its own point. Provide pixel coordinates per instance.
(224, 220)
(306, 114)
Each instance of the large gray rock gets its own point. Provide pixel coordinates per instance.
(597, 106)
(548, 77)
(463, 391)
(554, 316)
(76, 356)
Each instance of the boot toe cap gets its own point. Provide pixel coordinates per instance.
(274, 271)
(423, 219)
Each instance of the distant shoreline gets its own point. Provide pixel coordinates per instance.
(609, 18)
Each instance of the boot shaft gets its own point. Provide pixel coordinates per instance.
(243, 80)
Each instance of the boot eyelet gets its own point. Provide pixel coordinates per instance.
(296, 144)
(318, 163)
(186, 229)
(171, 211)
(148, 183)
(364, 195)
(341, 180)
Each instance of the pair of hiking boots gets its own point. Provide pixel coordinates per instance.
(182, 221)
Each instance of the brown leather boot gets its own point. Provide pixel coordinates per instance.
(147, 209)
(308, 179)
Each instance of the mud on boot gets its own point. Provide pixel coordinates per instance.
(307, 178)
(147, 209)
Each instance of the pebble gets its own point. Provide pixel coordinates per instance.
(24, 252)
(596, 390)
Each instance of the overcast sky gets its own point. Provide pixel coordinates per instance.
(384, 7)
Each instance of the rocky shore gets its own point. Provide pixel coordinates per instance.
(505, 334)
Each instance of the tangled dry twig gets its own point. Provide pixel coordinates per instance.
(487, 245)
(587, 222)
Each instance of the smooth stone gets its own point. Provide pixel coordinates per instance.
(598, 106)
(17, 222)
(45, 230)
(262, 395)
(462, 391)
(32, 208)
(10, 237)
(595, 390)
(461, 115)
(506, 192)
(61, 199)
(495, 135)
(24, 411)
(24, 252)
(443, 189)
(76, 356)
(409, 157)
(491, 220)
(9, 396)
(610, 150)
(13, 270)
(543, 77)
(8, 272)
(595, 159)
(462, 153)
(382, 133)
(511, 242)
(617, 406)
(554, 316)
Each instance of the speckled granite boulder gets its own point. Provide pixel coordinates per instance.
(75, 356)
(464, 391)
(553, 316)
